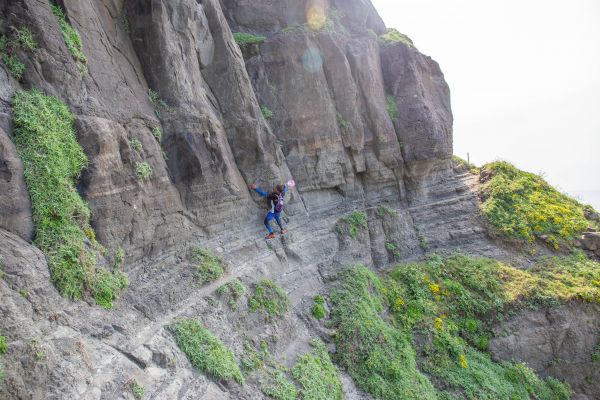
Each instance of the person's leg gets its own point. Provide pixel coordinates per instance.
(278, 220)
(267, 221)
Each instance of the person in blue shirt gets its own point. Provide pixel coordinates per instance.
(275, 200)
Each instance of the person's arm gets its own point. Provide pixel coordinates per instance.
(284, 189)
(259, 190)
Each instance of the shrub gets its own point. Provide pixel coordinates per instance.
(253, 359)
(243, 39)
(3, 346)
(352, 224)
(14, 66)
(269, 299)
(232, 291)
(72, 38)
(143, 170)
(278, 386)
(53, 160)
(318, 309)
(394, 36)
(392, 108)
(209, 267)
(318, 377)
(522, 206)
(25, 39)
(204, 351)
(137, 390)
(157, 133)
(383, 211)
(266, 112)
(135, 144)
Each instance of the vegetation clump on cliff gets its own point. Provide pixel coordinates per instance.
(205, 351)
(23, 39)
(423, 330)
(209, 267)
(269, 298)
(53, 161)
(394, 36)
(243, 39)
(72, 38)
(523, 206)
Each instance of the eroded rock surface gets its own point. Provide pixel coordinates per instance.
(169, 75)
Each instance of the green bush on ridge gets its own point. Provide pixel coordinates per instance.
(53, 161)
(523, 206)
(450, 304)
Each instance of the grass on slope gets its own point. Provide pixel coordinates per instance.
(53, 161)
(72, 38)
(522, 205)
(269, 299)
(242, 38)
(319, 379)
(205, 351)
(422, 331)
(394, 36)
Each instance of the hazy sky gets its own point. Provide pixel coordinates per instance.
(524, 77)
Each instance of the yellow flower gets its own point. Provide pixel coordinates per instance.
(462, 360)
(434, 287)
(439, 324)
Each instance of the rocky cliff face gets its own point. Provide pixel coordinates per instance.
(174, 68)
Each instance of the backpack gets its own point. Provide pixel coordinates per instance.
(277, 200)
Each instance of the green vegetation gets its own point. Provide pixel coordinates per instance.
(461, 163)
(157, 133)
(393, 248)
(383, 211)
(209, 267)
(21, 39)
(135, 144)
(269, 299)
(318, 309)
(353, 224)
(266, 112)
(232, 291)
(156, 100)
(394, 36)
(342, 123)
(3, 346)
(452, 302)
(318, 377)
(53, 160)
(522, 206)
(596, 354)
(278, 385)
(72, 39)
(143, 170)
(243, 39)
(137, 390)
(14, 66)
(205, 352)
(25, 39)
(392, 108)
(378, 357)
(253, 359)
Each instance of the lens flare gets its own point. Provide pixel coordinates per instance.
(312, 60)
(316, 17)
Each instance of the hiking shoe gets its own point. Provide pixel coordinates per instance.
(284, 231)
(270, 236)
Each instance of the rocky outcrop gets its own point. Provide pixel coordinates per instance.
(555, 342)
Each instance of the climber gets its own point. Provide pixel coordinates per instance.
(275, 200)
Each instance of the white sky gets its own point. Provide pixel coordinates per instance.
(524, 77)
